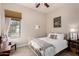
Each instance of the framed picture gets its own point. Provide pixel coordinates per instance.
(57, 22)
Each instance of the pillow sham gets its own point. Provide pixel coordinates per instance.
(58, 36)
(53, 36)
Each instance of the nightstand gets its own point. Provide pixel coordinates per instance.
(73, 46)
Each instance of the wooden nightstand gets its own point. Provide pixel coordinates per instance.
(73, 46)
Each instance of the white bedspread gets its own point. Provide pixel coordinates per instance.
(57, 43)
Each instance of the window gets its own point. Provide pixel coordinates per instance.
(14, 29)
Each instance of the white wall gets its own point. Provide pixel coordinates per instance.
(1, 18)
(69, 18)
(30, 18)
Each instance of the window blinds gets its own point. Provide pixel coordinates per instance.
(13, 14)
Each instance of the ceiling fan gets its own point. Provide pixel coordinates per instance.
(46, 4)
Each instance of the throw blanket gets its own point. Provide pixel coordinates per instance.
(43, 45)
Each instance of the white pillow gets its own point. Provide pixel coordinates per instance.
(50, 34)
(60, 36)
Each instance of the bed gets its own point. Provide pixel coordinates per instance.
(50, 45)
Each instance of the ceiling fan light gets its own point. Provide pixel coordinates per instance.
(46, 5)
(38, 4)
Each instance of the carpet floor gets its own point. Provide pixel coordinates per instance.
(26, 51)
(23, 51)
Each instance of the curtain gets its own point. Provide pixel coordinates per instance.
(7, 25)
(5, 40)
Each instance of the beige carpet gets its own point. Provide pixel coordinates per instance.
(23, 51)
(26, 51)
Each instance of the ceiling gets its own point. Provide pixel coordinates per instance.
(42, 8)
(53, 6)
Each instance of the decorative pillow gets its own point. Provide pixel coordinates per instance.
(53, 36)
(50, 34)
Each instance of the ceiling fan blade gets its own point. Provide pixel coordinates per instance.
(46, 5)
(37, 5)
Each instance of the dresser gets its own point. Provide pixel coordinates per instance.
(73, 46)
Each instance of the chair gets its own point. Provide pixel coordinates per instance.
(3, 53)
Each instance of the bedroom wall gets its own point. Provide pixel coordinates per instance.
(30, 18)
(1, 18)
(69, 18)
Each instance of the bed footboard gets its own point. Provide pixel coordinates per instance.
(36, 51)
